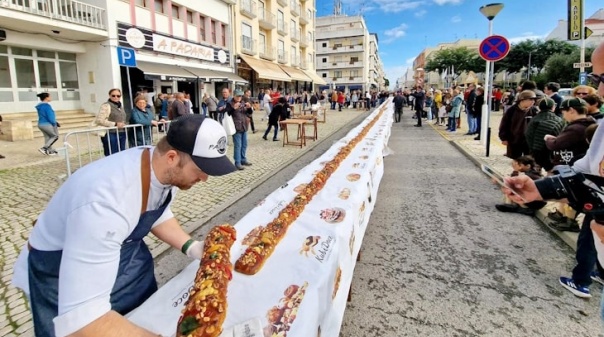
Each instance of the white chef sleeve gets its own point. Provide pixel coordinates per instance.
(93, 237)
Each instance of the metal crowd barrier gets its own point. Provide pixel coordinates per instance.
(82, 147)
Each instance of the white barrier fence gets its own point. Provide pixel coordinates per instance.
(85, 146)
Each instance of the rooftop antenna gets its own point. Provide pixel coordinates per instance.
(337, 7)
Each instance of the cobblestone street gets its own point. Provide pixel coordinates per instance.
(26, 190)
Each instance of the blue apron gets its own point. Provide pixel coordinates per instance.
(135, 281)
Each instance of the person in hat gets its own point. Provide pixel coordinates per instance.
(546, 122)
(239, 111)
(86, 264)
(514, 122)
(590, 242)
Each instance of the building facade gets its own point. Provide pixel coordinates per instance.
(343, 53)
(595, 22)
(179, 45)
(275, 44)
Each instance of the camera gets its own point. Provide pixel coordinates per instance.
(583, 191)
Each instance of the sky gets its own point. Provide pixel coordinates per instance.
(406, 27)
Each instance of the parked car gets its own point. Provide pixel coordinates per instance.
(565, 92)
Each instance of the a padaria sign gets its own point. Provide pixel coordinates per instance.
(141, 38)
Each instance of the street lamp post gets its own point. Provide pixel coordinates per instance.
(528, 72)
(489, 11)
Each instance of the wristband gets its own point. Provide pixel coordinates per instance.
(186, 246)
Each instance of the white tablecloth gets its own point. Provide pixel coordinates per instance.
(334, 221)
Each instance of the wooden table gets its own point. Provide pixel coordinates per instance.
(301, 136)
(311, 120)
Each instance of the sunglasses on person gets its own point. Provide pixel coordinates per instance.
(596, 79)
(118, 96)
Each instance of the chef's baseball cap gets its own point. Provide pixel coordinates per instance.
(573, 103)
(205, 140)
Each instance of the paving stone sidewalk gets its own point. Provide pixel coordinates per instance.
(28, 182)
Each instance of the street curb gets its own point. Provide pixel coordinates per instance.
(541, 215)
(195, 225)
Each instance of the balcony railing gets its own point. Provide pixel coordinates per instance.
(294, 61)
(282, 56)
(294, 8)
(65, 10)
(267, 20)
(282, 28)
(305, 19)
(340, 64)
(341, 49)
(268, 53)
(303, 41)
(282, 3)
(294, 34)
(248, 45)
(248, 8)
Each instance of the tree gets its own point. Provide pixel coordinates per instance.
(460, 59)
(559, 67)
(386, 82)
(538, 51)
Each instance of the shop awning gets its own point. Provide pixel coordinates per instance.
(209, 75)
(266, 70)
(164, 72)
(296, 74)
(315, 78)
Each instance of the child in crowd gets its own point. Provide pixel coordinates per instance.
(522, 165)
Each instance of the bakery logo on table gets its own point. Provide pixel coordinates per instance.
(325, 248)
(281, 317)
(277, 207)
(309, 245)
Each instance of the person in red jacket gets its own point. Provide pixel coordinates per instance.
(341, 99)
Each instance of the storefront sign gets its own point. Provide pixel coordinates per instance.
(145, 39)
(164, 44)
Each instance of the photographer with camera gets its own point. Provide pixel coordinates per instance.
(581, 187)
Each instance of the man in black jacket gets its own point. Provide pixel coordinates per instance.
(398, 101)
(544, 123)
(419, 100)
(551, 90)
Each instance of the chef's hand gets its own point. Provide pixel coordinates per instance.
(195, 251)
(522, 185)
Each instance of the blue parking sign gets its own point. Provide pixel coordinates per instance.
(126, 57)
(583, 78)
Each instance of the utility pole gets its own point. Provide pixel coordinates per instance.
(337, 7)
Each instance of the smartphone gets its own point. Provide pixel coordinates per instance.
(489, 171)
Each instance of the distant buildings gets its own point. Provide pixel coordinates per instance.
(594, 22)
(347, 55)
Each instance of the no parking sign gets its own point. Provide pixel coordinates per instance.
(494, 48)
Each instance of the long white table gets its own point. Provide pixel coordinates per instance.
(315, 260)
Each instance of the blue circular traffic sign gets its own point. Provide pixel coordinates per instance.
(494, 48)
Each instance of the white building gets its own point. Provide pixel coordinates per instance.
(344, 52)
(72, 50)
(594, 22)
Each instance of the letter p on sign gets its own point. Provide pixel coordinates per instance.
(126, 57)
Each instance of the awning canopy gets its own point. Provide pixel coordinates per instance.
(209, 75)
(315, 78)
(266, 70)
(296, 74)
(165, 72)
(355, 87)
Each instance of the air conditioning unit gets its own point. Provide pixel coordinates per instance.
(334, 64)
(335, 78)
(351, 78)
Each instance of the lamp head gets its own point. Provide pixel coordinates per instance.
(491, 10)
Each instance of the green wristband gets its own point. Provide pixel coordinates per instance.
(186, 246)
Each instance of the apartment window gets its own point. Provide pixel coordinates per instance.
(324, 75)
(175, 12)
(324, 45)
(223, 35)
(354, 59)
(213, 28)
(189, 16)
(38, 70)
(280, 20)
(246, 38)
(337, 74)
(141, 3)
(292, 25)
(354, 73)
(325, 60)
(159, 6)
(293, 54)
(202, 28)
(309, 14)
(262, 43)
